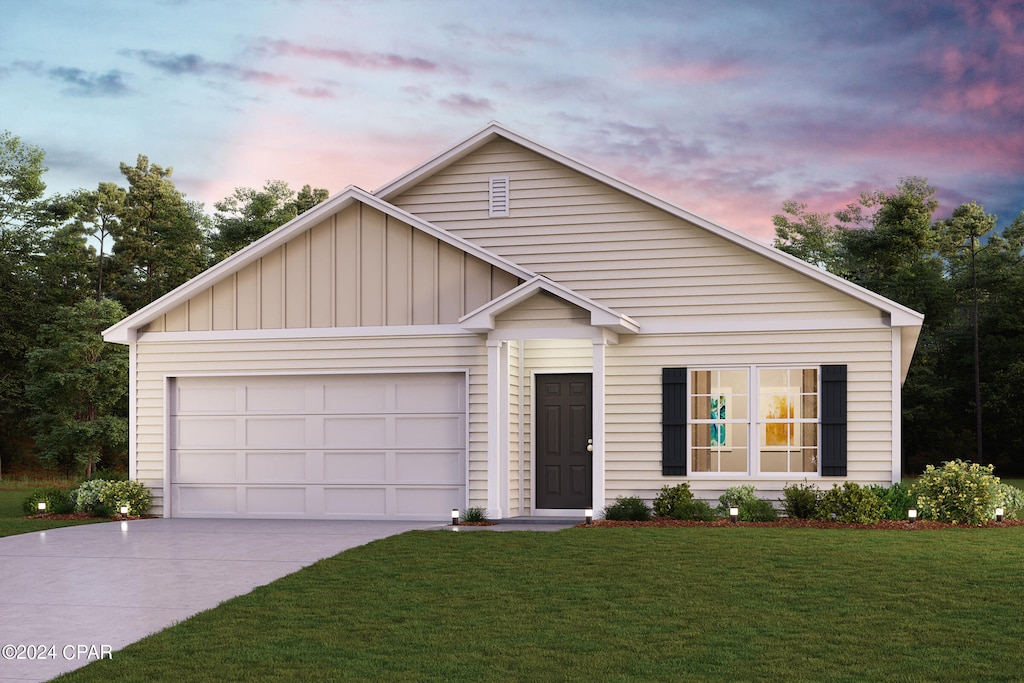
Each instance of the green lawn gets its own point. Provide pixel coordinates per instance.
(621, 604)
(11, 522)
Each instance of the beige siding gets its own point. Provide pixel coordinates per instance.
(157, 361)
(615, 249)
(543, 310)
(633, 404)
(357, 268)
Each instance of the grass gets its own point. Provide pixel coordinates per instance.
(13, 493)
(695, 604)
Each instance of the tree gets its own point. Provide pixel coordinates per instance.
(100, 219)
(79, 384)
(249, 214)
(159, 242)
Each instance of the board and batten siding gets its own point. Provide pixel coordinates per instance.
(308, 356)
(614, 248)
(633, 403)
(356, 268)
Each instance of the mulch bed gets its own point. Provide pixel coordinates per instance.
(81, 516)
(919, 525)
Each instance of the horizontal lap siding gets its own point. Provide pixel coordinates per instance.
(613, 248)
(307, 356)
(633, 404)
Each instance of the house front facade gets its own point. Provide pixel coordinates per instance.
(505, 327)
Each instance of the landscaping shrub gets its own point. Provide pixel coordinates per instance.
(751, 508)
(896, 500)
(1011, 499)
(671, 498)
(474, 515)
(677, 502)
(86, 498)
(850, 504)
(758, 510)
(131, 493)
(628, 509)
(57, 502)
(959, 492)
(800, 501)
(694, 511)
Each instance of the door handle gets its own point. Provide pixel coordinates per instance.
(590, 445)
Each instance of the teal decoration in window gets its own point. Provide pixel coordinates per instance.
(718, 413)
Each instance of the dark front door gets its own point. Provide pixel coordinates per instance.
(564, 432)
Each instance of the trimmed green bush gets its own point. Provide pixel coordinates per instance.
(628, 509)
(758, 510)
(800, 501)
(959, 492)
(850, 504)
(126, 492)
(751, 508)
(694, 511)
(896, 500)
(57, 502)
(671, 499)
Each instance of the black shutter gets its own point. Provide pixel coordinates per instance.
(833, 420)
(673, 421)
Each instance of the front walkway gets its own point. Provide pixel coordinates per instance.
(72, 594)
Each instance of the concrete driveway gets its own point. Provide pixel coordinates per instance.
(71, 595)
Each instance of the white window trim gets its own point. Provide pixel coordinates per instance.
(753, 422)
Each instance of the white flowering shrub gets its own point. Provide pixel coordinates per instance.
(959, 492)
(86, 498)
(1011, 499)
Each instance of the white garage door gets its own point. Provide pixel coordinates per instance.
(319, 447)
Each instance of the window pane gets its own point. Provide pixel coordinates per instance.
(787, 419)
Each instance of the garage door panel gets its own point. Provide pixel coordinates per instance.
(220, 467)
(412, 501)
(428, 395)
(328, 447)
(364, 394)
(276, 500)
(433, 467)
(355, 467)
(204, 432)
(362, 502)
(262, 432)
(274, 398)
(275, 467)
(206, 500)
(207, 398)
(433, 431)
(355, 432)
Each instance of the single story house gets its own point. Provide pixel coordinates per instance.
(505, 327)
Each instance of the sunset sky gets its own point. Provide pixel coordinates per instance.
(725, 108)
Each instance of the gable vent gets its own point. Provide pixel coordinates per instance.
(498, 200)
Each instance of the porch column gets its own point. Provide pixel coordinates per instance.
(497, 429)
(600, 346)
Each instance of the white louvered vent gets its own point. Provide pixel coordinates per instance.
(498, 205)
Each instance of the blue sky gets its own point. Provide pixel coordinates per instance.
(725, 108)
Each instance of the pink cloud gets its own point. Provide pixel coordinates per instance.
(695, 72)
(355, 59)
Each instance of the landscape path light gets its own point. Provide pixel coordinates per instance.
(999, 514)
(734, 514)
(124, 510)
(912, 515)
(588, 514)
(455, 516)
(42, 506)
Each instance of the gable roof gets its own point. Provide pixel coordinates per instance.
(483, 318)
(899, 315)
(123, 332)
